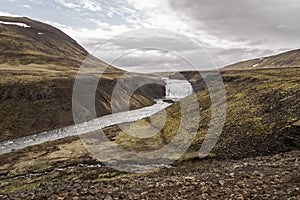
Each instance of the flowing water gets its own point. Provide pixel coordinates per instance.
(175, 89)
(79, 129)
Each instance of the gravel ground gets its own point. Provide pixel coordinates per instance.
(268, 177)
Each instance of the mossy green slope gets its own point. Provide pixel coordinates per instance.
(262, 115)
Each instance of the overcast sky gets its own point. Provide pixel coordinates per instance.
(228, 30)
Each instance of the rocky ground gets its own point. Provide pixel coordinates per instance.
(268, 177)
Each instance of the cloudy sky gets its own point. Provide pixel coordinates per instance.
(227, 31)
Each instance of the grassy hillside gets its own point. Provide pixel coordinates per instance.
(39, 44)
(38, 67)
(262, 119)
(287, 59)
(262, 115)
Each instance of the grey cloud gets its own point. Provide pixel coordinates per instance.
(154, 47)
(270, 25)
(222, 57)
(243, 18)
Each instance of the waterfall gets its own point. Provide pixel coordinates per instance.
(177, 89)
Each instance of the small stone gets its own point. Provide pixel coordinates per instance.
(144, 193)
(89, 197)
(259, 182)
(204, 189)
(241, 184)
(108, 197)
(236, 166)
(202, 184)
(221, 182)
(189, 178)
(256, 173)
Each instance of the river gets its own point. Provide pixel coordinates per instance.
(175, 89)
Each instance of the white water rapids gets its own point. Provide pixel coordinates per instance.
(177, 89)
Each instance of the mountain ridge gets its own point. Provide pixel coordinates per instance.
(41, 43)
(285, 59)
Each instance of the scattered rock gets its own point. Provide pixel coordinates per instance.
(269, 177)
(221, 182)
(108, 197)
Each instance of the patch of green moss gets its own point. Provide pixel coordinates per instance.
(19, 187)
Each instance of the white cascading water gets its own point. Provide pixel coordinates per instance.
(177, 89)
